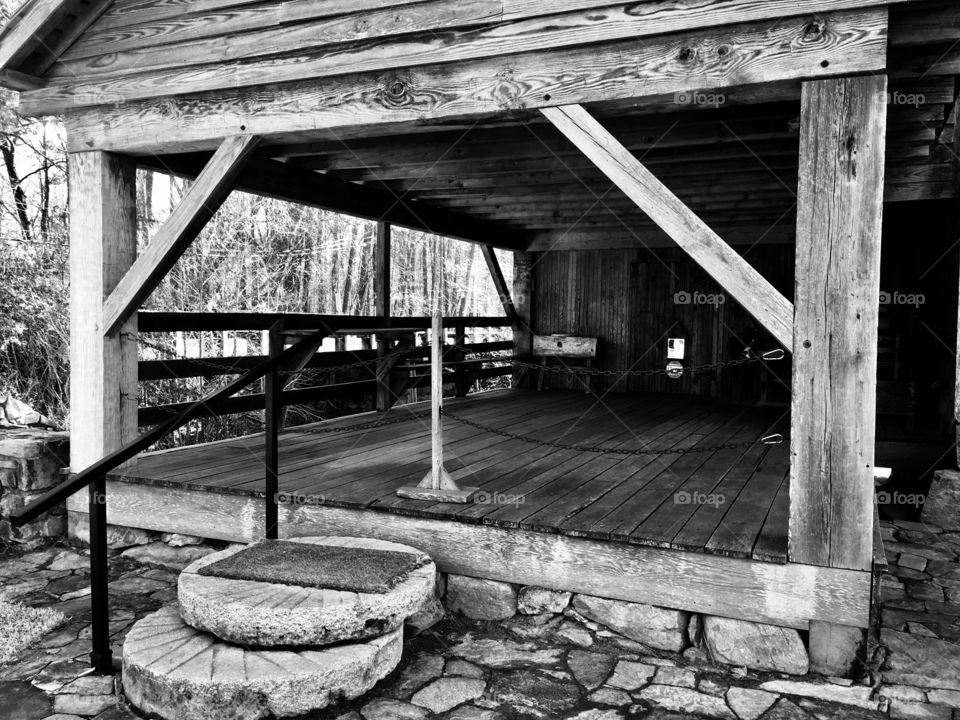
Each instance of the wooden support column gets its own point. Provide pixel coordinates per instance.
(103, 246)
(523, 303)
(381, 272)
(103, 370)
(839, 214)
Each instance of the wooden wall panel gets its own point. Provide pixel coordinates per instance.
(628, 298)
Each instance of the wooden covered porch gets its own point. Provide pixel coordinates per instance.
(702, 130)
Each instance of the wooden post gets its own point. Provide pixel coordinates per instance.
(840, 204)
(273, 403)
(523, 303)
(437, 485)
(381, 272)
(103, 370)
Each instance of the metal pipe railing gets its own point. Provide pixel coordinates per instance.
(94, 478)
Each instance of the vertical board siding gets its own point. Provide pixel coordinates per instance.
(626, 298)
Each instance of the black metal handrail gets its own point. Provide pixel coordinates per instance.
(94, 478)
(218, 402)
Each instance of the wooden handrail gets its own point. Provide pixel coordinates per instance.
(232, 365)
(150, 321)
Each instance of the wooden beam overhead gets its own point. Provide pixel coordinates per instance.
(735, 275)
(660, 68)
(26, 29)
(198, 205)
(839, 213)
(287, 182)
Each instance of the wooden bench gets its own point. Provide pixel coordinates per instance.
(581, 350)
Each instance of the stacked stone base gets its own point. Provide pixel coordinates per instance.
(246, 649)
(30, 464)
(737, 643)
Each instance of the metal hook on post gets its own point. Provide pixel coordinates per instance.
(437, 485)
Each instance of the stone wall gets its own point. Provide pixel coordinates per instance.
(30, 464)
(699, 638)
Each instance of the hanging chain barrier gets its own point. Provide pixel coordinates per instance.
(775, 439)
(768, 356)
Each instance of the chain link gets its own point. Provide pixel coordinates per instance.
(774, 439)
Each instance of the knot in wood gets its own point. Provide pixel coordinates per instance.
(814, 30)
(687, 55)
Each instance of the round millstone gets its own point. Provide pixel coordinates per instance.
(265, 614)
(176, 672)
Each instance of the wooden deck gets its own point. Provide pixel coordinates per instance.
(730, 502)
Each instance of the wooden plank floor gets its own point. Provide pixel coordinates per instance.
(705, 489)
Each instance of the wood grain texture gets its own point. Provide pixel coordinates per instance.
(843, 130)
(249, 30)
(788, 595)
(198, 205)
(27, 28)
(421, 34)
(748, 287)
(853, 41)
(103, 245)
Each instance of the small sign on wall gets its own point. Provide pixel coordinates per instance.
(675, 348)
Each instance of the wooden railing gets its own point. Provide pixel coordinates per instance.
(385, 383)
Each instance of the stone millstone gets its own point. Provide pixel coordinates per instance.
(175, 672)
(263, 614)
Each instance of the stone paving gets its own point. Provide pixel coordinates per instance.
(553, 663)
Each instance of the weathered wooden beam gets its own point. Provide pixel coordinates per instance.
(654, 68)
(198, 205)
(103, 244)
(748, 287)
(286, 182)
(381, 270)
(83, 16)
(16, 80)
(500, 283)
(840, 205)
(647, 236)
(429, 33)
(25, 31)
(415, 34)
(789, 595)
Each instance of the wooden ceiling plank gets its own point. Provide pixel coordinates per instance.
(279, 180)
